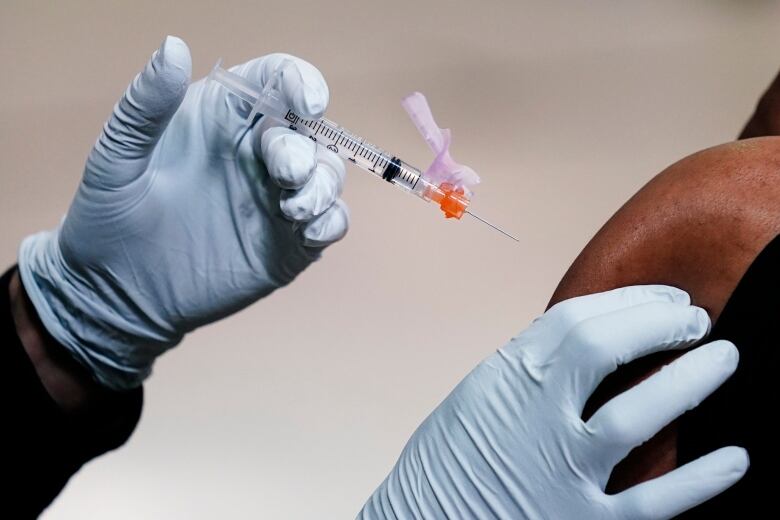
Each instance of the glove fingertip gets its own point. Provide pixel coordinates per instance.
(174, 52)
(726, 354)
(307, 90)
(674, 294)
(738, 461)
(315, 100)
(328, 228)
(290, 158)
(172, 67)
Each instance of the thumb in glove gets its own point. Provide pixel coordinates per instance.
(140, 117)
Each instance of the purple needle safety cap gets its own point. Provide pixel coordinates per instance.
(443, 169)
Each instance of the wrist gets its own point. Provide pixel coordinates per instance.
(67, 382)
(91, 315)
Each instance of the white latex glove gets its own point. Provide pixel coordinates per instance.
(184, 215)
(509, 441)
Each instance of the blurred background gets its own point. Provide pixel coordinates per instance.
(298, 407)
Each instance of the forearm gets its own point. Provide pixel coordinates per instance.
(58, 418)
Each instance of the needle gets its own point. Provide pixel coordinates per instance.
(491, 225)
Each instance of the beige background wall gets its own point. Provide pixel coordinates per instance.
(298, 407)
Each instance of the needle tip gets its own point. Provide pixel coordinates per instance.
(493, 226)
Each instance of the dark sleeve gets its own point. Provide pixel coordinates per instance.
(45, 446)
(742, 411)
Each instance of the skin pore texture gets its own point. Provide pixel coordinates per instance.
(698, 226)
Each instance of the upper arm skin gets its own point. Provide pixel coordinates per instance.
(698, 226)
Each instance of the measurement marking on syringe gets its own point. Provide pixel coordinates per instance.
(359, 148)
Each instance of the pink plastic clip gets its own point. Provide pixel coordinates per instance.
(443, 169)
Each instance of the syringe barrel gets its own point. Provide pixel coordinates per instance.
(348, 146)
(378, 162)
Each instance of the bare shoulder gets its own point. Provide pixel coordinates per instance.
(697, 225)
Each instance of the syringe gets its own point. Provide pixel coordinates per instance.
(268, 101)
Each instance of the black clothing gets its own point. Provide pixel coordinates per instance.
(44, 445)
(742, 411)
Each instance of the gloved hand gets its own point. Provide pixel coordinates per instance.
(185, 214)
(509, 441)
